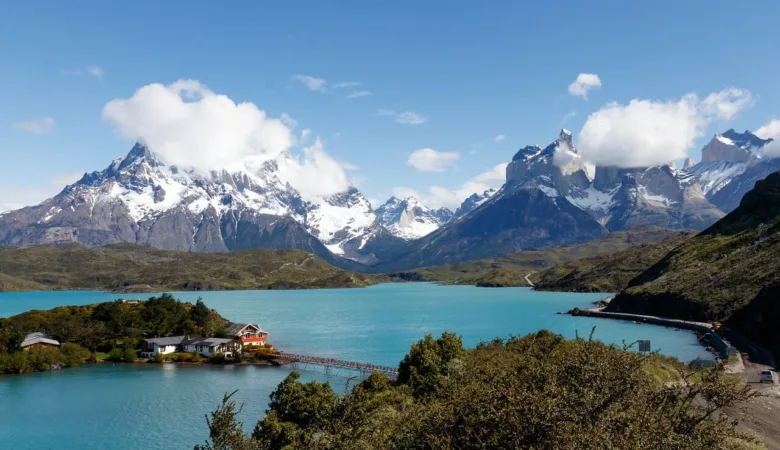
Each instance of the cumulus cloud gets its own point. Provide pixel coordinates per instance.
(311, 83)
(649, 132)
(430, 160)
(770, 130)
(410, 118)
(35, 126)
(359, 94)
(440, 197)
(499, 138)
(187, 125)
(584, 83)
(564, 155)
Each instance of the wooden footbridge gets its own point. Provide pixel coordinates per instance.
(364, 368)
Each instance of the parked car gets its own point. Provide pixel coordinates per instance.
(767, 376)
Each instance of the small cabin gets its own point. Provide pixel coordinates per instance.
(38, 340)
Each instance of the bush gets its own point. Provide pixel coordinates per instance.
(159, 358)
(129, 355)
(183, 357)
(116, 354)
(74, 354)
(217, 358)
(196, 357)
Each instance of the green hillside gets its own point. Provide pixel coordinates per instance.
(728, 273)
(510, 270)
(608, 272)
(127, 267)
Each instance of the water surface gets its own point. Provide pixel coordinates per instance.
(129, 406)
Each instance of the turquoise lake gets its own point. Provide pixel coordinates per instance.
(150, 406)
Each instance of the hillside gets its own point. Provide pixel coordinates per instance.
(131, 267)
(608, 272)
(510, 270)
(729, 273)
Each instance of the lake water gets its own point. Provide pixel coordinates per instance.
(150, 406)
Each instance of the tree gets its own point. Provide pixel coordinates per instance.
(200, 313)
(225, 430)
(429, 361)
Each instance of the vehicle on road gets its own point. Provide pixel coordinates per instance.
(767, 376)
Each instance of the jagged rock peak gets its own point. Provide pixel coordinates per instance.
(688, 163)
(565, 136)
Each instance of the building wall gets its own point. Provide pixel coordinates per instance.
(164, 349)
(39, 345)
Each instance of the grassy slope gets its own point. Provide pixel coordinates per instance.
(730, 272)
(609, 272)
(510, 270)
(133, 267)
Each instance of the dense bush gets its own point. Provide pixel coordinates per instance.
(217, 358)
(540, 391)
(40, 359)
(116, 355)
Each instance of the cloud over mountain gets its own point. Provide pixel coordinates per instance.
(650, 132)
(187, 125)
(584, 83)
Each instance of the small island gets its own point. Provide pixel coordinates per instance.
(161, 329)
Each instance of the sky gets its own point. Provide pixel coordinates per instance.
(398, 98)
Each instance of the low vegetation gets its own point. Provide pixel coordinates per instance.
(113, 330)
(728, 273)
(540, 391)
(510, 270)
(608, 272)
(134, 268)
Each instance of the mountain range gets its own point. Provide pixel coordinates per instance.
(551, 197)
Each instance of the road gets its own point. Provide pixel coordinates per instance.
(760, 416)
(529, 280)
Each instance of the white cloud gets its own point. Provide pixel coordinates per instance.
(726, 103)
(304, 137)
(584, 83)
(314, 173)
(499, 138)
(35, 126)
(346, 84)
(359, 94)
(95, 71)
(348, 166)
(410, 118)
(188, 125)
(651, 132)
(12, 198)
(770, 130)
(440, 197)
(429, 160)
(311, 83)
(288, 121)
(385, 112)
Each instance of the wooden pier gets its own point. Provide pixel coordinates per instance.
(340, 363)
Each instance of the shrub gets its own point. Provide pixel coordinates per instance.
(74, 354)
(183, 357)
(116, 354)
(130, 355)
(196, 357)
(217, 358)
(159, 358)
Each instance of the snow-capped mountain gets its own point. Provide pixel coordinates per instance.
(731, 164)
(138, 199)
(472, 202)
(409, 219)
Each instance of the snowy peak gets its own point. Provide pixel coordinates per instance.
(409, 219)
(472, 202)
(688, 163)
(732, 146)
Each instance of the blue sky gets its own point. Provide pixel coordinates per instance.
(472, 70)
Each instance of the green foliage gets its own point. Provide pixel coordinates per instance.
(225, 431)
(135, 268)
(116, 326)
(196, 357)
(129, 355)
(44, 358)
(430, 361)
(540, 391)
(116, 355)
